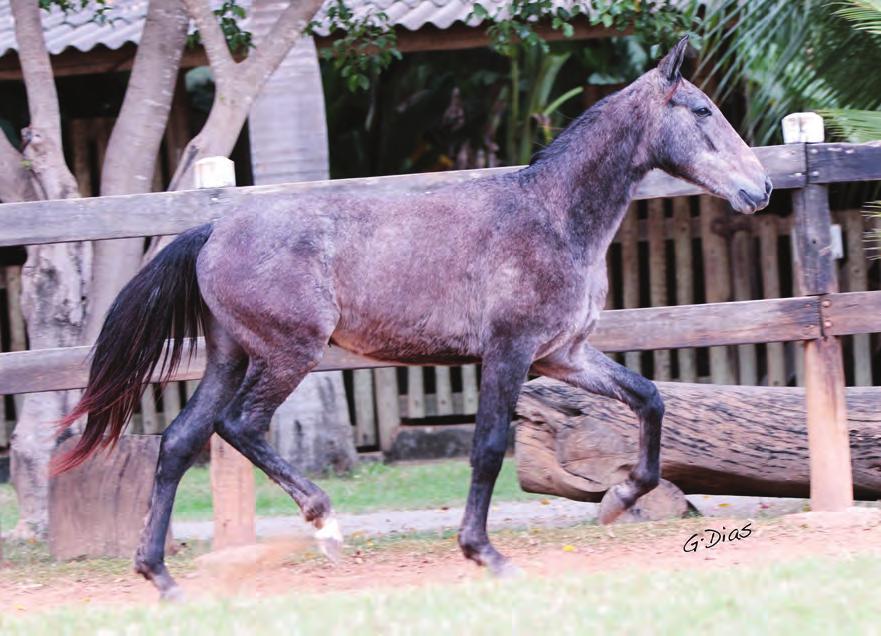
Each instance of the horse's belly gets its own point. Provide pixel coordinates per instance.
(417, 340)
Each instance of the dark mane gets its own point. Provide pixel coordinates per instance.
(560, 144)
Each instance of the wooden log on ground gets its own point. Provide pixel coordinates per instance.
(732, 440)
(98, 508)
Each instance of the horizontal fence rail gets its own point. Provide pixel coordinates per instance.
(165, 213)
(645, 329)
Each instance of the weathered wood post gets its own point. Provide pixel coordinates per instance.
(828, 444)
(232, 475)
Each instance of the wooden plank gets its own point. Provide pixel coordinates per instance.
(645, 329)
(815, 273)
(836, 162)
(828, 443)
(469, 389)
(150, 424)
(443, 391)
(741, 274)
(851, 313)
(233, 495)
(388, 415)
(769, 261)
(717, 279)
(746, 322)
(658, 277)
(682, 219)
(166, 213)
(365, 419)
(812, 235)
(170, 402)
(856, 270)
(627, 234)
(415, 393)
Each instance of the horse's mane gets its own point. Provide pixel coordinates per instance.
(576, 129)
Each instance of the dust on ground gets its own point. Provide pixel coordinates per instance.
(286, 565)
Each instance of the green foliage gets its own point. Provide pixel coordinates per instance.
(791, 56)
(367, 45)
(512, 27)
(534, 68)
(228, 15)
(101, 8)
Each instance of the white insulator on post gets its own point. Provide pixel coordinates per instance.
(802, 128)
(214, 172)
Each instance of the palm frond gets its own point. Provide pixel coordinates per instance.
(853, 125)
(865, 14)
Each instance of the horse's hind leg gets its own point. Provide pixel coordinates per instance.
(245, 421)
(181, 442)
(586, 368)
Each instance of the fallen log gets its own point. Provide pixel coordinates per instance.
(733, 440)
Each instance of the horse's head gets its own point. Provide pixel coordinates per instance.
(694, 141)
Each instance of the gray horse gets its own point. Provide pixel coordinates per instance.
(508, 271)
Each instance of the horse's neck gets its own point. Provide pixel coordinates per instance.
(588, 181)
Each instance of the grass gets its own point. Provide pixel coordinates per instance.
(8, 507)
(807, 596)
(373, 486)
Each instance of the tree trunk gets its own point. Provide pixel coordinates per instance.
(311, 429)
(130, 160)
(733, 440)
(53, 279)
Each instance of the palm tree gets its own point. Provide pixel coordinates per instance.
(788, 56)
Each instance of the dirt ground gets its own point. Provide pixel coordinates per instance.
(287, 565)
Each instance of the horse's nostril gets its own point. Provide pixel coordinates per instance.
(768, 185)
(747, 197)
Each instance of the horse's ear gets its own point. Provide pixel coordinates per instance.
(672, 62)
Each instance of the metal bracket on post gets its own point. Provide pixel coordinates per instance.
(232, 475)
(814, 255)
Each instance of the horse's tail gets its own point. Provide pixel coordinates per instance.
(161, 302)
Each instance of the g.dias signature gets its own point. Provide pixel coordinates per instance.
(710, 538)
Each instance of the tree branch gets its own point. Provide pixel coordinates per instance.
(213, 41)
(130, 160)
(36, 69)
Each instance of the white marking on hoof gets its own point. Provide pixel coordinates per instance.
(329, 538)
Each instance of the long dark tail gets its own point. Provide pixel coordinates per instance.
(161, 302)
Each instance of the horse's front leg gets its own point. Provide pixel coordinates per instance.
(503, 373)
(584, 367)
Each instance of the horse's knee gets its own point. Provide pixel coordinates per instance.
(650, 404)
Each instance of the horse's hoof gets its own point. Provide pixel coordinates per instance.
(173, 594)
(611, 506)
(330, 539)
(506, 570)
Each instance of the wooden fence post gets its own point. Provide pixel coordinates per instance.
(828, 442)
(232, 475)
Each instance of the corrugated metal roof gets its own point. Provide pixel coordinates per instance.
(77, 30)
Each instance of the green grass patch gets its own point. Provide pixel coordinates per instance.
(8, 508)
(370, 487)
(807, 596)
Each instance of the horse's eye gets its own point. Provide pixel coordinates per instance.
(702, 112)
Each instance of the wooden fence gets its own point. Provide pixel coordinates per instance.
(815, 317)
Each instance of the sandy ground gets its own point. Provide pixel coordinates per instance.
(285, 565)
